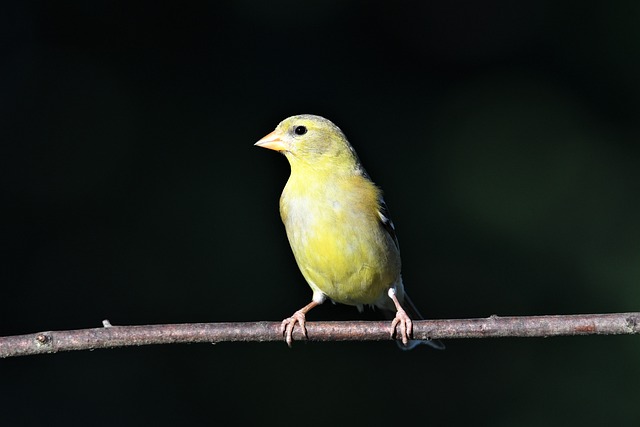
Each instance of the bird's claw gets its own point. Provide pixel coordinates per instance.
(405, 326)
(288, 324)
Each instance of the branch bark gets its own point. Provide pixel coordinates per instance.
(491, 327)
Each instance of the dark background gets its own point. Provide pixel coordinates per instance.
(505, 136)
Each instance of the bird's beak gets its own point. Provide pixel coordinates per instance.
(272, 142)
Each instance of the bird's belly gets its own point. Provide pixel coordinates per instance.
(355, 287)
(346, 264)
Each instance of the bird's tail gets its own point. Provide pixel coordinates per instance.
(414, 314)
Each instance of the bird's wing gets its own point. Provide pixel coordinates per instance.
(383, 213)
(383, 210)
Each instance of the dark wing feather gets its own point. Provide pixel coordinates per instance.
(383, 213)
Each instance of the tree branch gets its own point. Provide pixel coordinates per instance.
(491, 327)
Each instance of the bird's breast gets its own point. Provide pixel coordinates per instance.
(338, 242)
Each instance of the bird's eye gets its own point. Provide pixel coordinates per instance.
(300, 130)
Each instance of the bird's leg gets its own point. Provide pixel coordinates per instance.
(286, 328)
(402, 319)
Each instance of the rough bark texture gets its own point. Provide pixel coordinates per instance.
(491, 327)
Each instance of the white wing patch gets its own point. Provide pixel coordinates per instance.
(386, 221)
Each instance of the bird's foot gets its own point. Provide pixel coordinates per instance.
(402, 319)
(287, 325)
(404, 324)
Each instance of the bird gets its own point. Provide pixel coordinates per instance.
(338, 227)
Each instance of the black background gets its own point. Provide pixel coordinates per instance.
(504, 134)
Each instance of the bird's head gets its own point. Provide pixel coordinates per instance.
(311, 140)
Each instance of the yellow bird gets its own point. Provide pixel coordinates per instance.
(338, 226)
